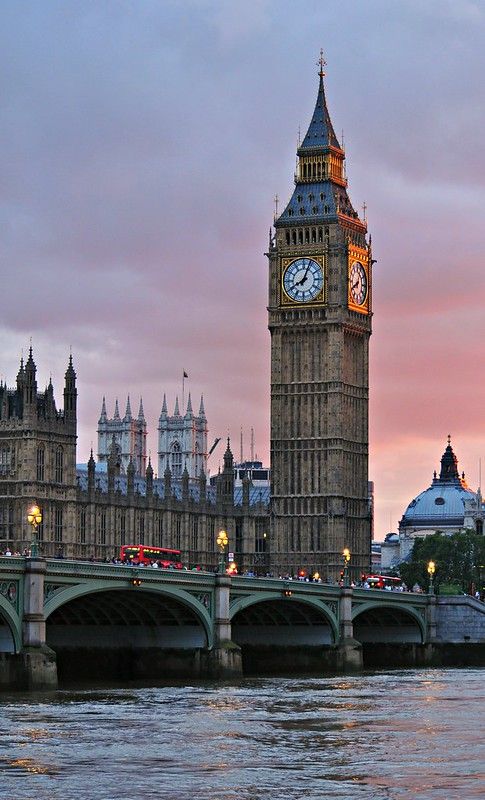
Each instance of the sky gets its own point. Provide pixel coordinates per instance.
(142, 143)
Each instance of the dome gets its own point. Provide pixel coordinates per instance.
(442, 505)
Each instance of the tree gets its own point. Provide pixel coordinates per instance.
(459, 559)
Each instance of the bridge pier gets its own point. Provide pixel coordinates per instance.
(349, 650)
(35, 666)
(224, 659)
(431, 619)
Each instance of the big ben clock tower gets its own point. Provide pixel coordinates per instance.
(320, 292)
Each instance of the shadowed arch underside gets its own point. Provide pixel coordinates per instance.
(387, 625)
(281, 622)
(125, 618)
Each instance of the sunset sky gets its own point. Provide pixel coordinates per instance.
(141, 145)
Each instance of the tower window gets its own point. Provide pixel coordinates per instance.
(58, 524)
(82, 526)
(4, 460)
(176, 460)
(102, 528)
(290, 212)
(302, 211)
(299, 198)
(59, 465)
(321, 195)
(311, 198)
(40, 463)
(315, 209)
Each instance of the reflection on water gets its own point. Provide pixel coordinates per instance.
(397, 735)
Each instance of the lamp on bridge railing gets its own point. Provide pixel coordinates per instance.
(431, 571)
(34, 517)
(222, 541)
(346, 558)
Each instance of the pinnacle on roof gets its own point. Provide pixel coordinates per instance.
(149, 469)
(103, 417)
(176, 411)
(201, 407)
(30, 365)
(189, 411)
(449, 464)
(320, 132)
(70, 373)
(128, 417)
(164, 404)
(141, 413)
(117, 411)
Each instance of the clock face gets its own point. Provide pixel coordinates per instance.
(303, 280)
(358, 283)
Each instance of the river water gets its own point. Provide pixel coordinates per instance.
(401, 734)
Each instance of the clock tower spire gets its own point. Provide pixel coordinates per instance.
(320, 323)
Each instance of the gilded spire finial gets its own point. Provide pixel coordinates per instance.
(321, 63)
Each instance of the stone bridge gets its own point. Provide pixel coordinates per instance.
(90, 619)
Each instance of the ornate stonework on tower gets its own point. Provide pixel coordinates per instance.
(126, 436)
(182, 441)
(320, 322)
(38, 460)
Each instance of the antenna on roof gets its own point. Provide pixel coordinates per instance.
(242, 455)
(252, 444)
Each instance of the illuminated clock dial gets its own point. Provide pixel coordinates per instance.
(358, 283)
(303, 280)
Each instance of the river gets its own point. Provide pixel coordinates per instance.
(389, 734)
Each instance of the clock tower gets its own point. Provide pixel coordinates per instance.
(320, 293)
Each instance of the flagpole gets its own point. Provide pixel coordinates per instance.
(183, 392)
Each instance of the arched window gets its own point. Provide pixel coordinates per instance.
(58, 524)
(59, 465)
(176, 461)
(4, 460)
(40, 462)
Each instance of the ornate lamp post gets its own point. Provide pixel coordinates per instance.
(346, 558)
(222, 542)
(35, 518)
(431, 571)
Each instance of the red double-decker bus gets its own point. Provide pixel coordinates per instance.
(143, 554)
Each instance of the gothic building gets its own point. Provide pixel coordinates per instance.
(319, 310)
(126, 435)
(90, 513)
(37, 459)
(182, 441)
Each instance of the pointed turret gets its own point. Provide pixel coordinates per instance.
(128, 417)
(320, 192)
(30, 384)
(70, 393)
(201, 407)
(116, 415)
(149, 478)
(185, 484)
(141, 413)
(176, 411)
(228, 456)
(103, 416)
(130, 474)
(449, 464)
(21, 374)
(91, 471)
(189, 412)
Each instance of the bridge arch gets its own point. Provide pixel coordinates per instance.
(10, 628)
(380, 622)
(114, 604)
(270, 618)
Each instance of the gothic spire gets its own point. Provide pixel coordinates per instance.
(176, 411)
(189, 411)
(141, 414)
(103, 416)
(128, 417)
(320, 132)
(116, 415)
(201, 407)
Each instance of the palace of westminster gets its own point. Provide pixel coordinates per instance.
(319, 317)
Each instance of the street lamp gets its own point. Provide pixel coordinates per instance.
(35, 518)
(431, 571)
(222, 542)
(346, 558)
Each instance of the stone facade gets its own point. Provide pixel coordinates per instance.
(89, 513)
(125, 438)
(182, 440)
(320, 322)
